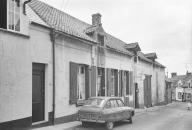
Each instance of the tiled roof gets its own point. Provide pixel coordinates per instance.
(116, 44)
(175, 79)
(47, 15)
(90, 29)
(33, 17)
(159, 64)
(60, 20)
(133, 46)
(142, 57)
(71, 25)
(150, 55)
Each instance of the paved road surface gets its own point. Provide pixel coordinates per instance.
(172, 117)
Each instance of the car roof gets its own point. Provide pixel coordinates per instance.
(105, 98)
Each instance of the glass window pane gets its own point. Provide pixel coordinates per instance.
(17, 22)
(120, 103)
(114, 103)
(11, 21)
(108, 104)
(11, 5)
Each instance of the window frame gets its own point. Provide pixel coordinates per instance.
(14, 15)
(80, 67)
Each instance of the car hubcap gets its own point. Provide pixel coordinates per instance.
(110, 125)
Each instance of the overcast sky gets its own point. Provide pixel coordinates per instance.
(161, 26)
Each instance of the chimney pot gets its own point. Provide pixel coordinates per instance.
(96, 19)
(173, 75)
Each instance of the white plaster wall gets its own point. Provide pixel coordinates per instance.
(161, 83)
(157, 80)
(15, 77)
(118, 61)
(41, 52)
(143, 68)
(68, 50)
(17, 53)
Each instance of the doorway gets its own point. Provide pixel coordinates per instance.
(38, 92)
(147, 91)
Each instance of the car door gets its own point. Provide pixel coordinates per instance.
(115, 110)
(125, 113)
(111, 112)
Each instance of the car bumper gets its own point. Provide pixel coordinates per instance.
(91, 120)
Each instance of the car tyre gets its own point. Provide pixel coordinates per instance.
(109, 125)
(84, 124)
(130, 120)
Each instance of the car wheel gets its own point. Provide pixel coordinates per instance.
(109, 125)
(130, 120)
(84, 124)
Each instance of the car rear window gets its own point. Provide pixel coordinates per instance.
(94, 102)
(120, 103)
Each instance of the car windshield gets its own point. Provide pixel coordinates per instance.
(95, 102)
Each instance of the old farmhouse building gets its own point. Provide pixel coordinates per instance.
(50, 62)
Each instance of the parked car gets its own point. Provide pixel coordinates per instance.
(105, 110)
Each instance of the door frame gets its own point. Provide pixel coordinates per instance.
(44, 67)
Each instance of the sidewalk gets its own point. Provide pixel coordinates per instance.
(150, 109)
(60, 126)
(77, 123)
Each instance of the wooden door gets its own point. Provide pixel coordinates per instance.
(38, 86)
(136, 96)
(147, 91)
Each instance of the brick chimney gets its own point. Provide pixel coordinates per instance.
(96, 19)
(173, 75)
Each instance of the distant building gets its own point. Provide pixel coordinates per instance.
(182, 85)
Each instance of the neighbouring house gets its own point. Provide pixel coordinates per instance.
(182, 85)
(50, 62)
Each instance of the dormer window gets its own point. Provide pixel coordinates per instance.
(101, 39)
(10, 14)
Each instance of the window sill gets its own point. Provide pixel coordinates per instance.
(14, 33)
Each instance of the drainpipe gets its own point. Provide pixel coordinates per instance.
(52, 36)
(24, 6)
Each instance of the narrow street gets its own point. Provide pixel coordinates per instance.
(174, 116)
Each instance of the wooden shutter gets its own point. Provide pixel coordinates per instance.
(131, 82)
(149, 91)
(103, 82)
(73, 83)
(93, 81)
(108, 81)
(120, 82)
(128, 83)
(3, 14)
(86, 82)
(116, 83)
(145, 91)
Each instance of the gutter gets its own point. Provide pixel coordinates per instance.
(77, 38)
(24, 6)
(52, 36)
